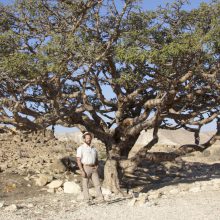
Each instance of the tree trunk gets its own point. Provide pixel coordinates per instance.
(111, 176)
(117, 162)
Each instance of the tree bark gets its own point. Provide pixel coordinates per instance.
(111, 176)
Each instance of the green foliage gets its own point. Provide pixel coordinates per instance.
(79, 46)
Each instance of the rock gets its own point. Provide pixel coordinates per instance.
(55, 184)
(60, 190)
(42, 180)
(22, 205)
(77, 180)
(49, 178)
(27, 178)
(57, 167)
(71, 187)
(11, 208)
(2, 204)
(3, 167)
(9, 165)
(38, 171)
(30, 205)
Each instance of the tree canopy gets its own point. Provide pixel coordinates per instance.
(109, 69)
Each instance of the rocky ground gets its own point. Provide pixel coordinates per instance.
(198, 200)
(36, 184)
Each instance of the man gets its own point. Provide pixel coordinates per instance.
(87, 160)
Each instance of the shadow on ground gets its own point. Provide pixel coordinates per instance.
(156, 175)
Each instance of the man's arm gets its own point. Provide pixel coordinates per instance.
(79, 163)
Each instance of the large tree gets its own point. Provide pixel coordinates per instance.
(111, 69)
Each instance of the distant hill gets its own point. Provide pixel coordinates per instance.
(174, 137)
(166, 137)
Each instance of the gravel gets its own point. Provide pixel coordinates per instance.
(194, 206)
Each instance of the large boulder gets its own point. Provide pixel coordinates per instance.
(71, 187)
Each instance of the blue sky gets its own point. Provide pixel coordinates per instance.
(148, 5)
(152, 4)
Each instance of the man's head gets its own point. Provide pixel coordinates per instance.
(87, 136)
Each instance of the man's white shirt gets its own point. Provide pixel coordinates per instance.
(88, 154)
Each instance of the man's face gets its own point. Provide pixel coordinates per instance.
(88, 139)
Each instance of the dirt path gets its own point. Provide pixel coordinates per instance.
(194, 206)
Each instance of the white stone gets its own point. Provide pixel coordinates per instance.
(4, 167)
(11, 208)
(30, 205)
(71, 187)
(2, 204)
(27, 178)
(41, 180)
(23, 205)
(55, 184)
(60, 189)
